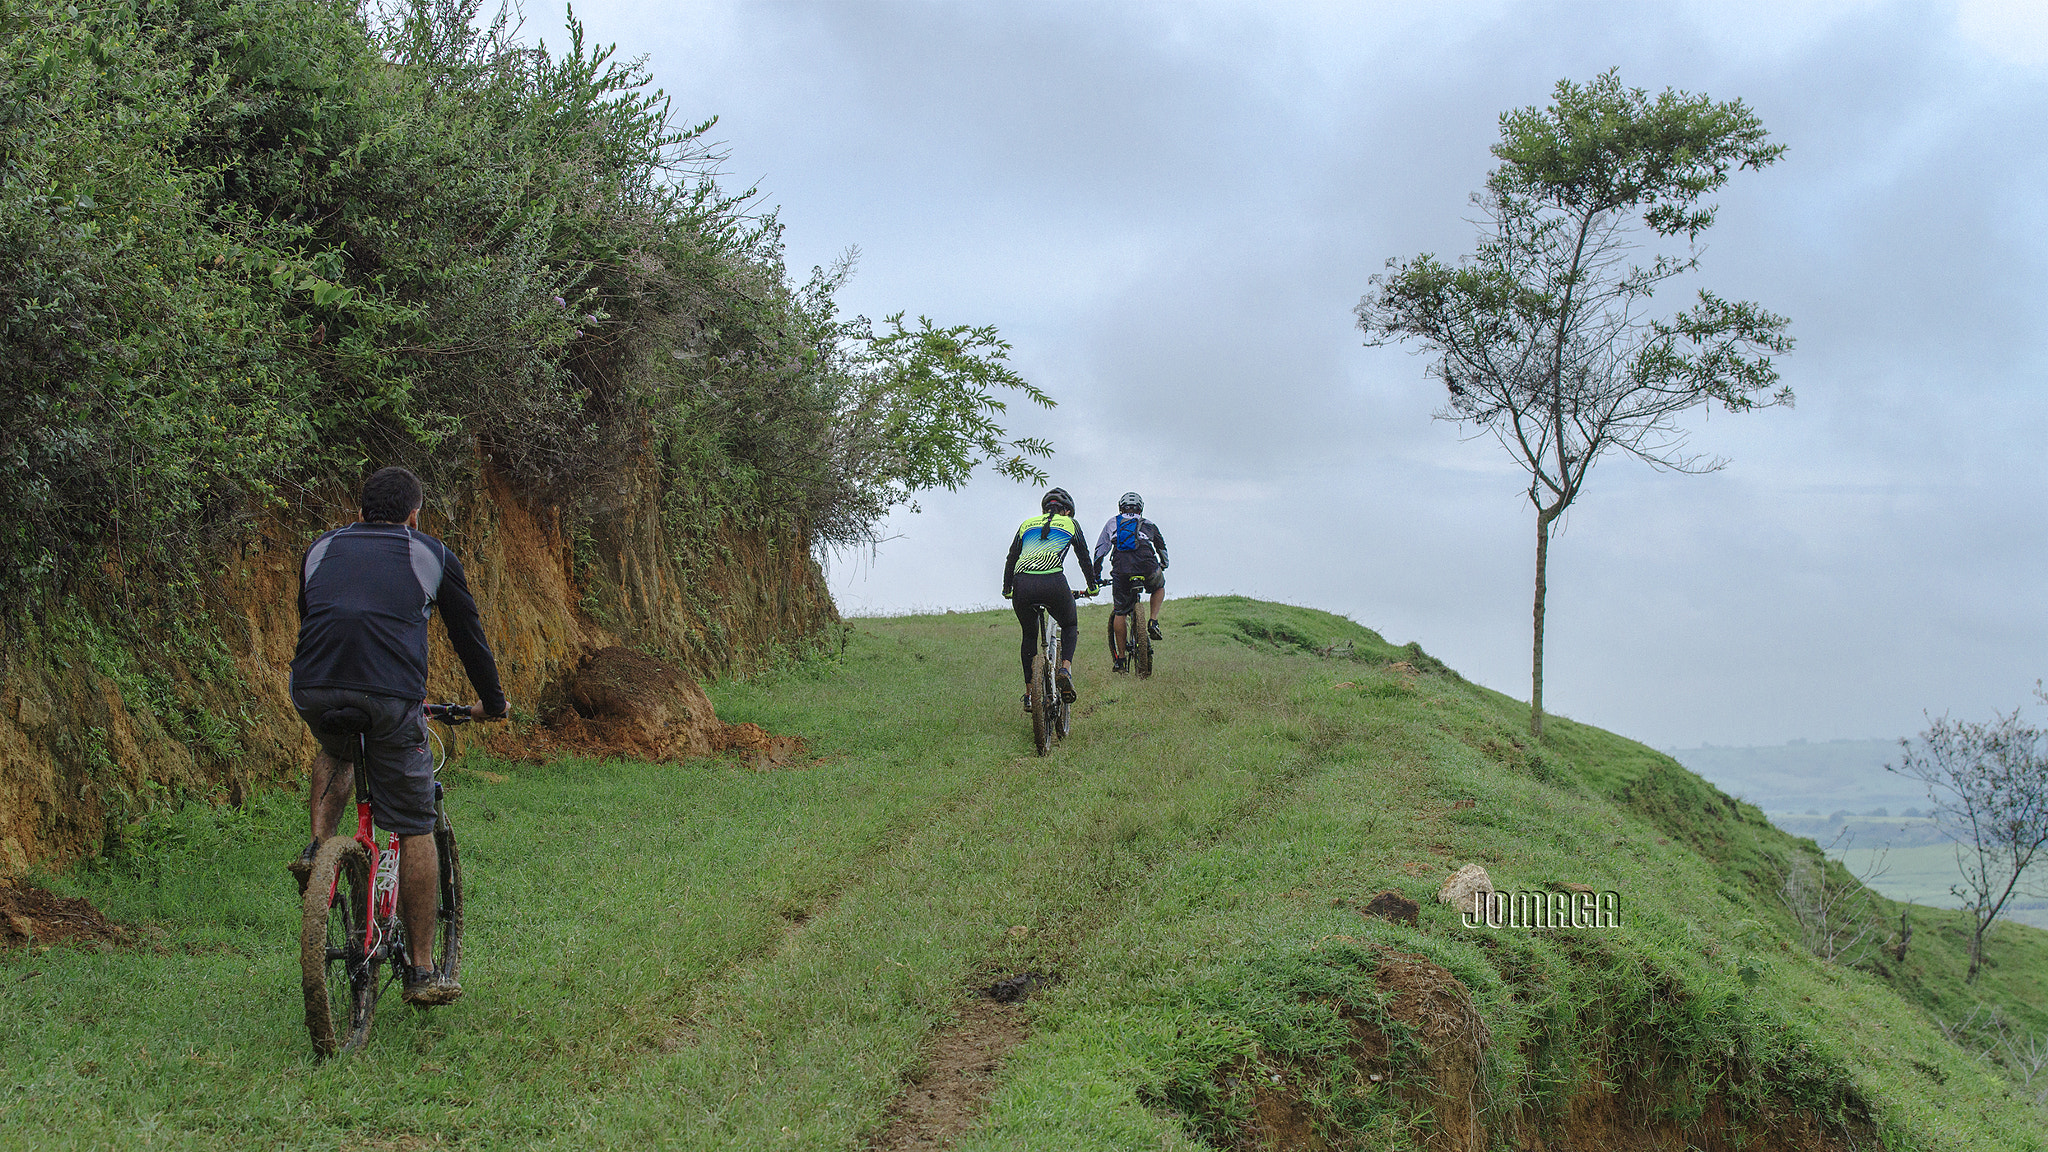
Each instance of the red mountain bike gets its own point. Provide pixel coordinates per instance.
(351, 927)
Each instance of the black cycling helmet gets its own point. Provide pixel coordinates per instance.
(1130, 502)
(1057, 498)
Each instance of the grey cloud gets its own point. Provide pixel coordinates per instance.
(1170, 210)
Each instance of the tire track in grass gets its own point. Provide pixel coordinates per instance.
(958, 1073)
(959, 1069)
(860, 1027)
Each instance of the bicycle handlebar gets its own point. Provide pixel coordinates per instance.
(453, 714)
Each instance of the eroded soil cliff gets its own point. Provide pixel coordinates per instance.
(103, 715)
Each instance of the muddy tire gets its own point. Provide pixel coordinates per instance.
(1140, 639)
(1038, 688)
(447, 957)
(339, 983)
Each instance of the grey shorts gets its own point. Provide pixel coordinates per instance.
(1124, 592)
(400, 766)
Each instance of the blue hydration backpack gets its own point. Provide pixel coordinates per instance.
(1130, 535)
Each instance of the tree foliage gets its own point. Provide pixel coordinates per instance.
(252, 247)
(1543, 336)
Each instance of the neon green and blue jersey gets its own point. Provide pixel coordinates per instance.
(1040, 548)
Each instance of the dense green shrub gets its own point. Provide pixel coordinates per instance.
(250, 247)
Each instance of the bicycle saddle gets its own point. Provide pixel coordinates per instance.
(344, 721)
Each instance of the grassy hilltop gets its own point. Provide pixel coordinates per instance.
(708, 956)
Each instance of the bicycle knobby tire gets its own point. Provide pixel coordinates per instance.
(340, 986)
(1041, 705)
(449, 958)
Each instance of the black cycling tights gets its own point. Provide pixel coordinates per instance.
(1050, 590)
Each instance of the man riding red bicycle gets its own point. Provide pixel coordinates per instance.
(359, 679)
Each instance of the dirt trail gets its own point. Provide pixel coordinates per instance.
(950, 1091)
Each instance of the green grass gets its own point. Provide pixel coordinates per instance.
(704, 956)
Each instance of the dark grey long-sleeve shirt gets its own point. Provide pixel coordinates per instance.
(366, 593)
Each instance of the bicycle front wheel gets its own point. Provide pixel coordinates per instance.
(448, 957)
(337, 975)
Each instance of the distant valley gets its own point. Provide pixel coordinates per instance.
(1838, 793)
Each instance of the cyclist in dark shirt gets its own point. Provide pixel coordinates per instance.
(1134, 546)
(1034, 573)
(366, 594)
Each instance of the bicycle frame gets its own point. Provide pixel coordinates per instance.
(382, 912)
(351, 923)
(383, 898)
(1048, 637)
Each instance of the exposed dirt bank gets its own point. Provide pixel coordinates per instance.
(1437, 1072)
(95, 728)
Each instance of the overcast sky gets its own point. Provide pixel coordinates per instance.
(1171, 209)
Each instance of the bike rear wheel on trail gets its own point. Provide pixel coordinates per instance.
(1061, 713)
(1138, 637)
(1041, 692)
(339, 979)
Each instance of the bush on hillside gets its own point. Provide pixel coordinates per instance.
(252, 247)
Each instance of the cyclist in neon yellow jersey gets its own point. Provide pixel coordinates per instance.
(1035, 574)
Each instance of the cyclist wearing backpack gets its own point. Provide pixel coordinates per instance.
(366, 593)
(1134, 547)
(1035, 574)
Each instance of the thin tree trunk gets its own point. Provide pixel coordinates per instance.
(1543, 518)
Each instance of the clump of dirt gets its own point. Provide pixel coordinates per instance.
(756, 744)
(1011, 989)
(1391, 905)
(32, 916)
(618, 702)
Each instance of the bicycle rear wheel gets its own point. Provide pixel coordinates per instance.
(1140, 636)
(1062, 712)
(1041, 704)
(337, 977)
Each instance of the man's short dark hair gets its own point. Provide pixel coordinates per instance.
(390, 495)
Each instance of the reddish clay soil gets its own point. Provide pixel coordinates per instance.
(618, 702)
(951, 1091)
(33, 916)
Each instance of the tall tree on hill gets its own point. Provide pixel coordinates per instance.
(1989, 785)
(1541, 335)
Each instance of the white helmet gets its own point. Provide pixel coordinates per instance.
(1130, 502)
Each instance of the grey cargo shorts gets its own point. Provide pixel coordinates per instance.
(401, 768)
